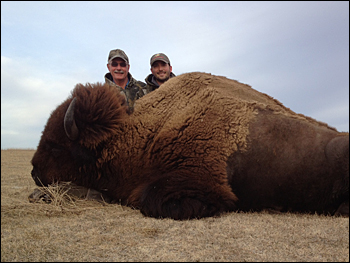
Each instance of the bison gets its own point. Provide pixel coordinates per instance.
(198, 146)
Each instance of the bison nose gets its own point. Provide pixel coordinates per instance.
(35, 175)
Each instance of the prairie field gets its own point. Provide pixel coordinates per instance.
(82, 230)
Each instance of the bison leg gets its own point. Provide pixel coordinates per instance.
(180, 197)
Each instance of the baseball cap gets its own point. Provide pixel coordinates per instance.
(118, 53)
(161, 57)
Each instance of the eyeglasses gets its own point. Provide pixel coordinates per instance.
(115, 64)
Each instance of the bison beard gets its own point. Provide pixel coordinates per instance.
(198, 146)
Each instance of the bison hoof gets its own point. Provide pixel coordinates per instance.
(180, 209)
(343, 209)
(39, 195)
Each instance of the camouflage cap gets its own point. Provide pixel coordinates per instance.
(118, 53)
(161, 57)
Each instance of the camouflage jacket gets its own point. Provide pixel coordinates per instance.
(133, 91)
(152, 83)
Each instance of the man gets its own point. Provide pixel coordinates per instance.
(161, 71)
(120, 77)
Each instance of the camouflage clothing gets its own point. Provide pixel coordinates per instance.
(134, 90)
(152, 83)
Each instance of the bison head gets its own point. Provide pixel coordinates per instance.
(75, 133)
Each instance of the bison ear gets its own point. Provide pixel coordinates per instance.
(69, 122)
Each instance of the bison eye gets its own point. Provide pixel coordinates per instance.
(56, 152)
(54, 149)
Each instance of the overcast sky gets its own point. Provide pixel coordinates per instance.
(297, 52)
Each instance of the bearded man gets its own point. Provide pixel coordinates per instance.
(161, 71)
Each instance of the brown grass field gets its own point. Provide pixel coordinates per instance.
(80, 230)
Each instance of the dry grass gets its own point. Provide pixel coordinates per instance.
(79, 230)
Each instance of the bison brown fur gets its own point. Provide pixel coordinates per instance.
(198, 146)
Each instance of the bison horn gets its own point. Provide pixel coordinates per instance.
(69, 122)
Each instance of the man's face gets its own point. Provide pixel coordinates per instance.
(161, 71)
(118, 68)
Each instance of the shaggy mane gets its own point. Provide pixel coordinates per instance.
(99, 109)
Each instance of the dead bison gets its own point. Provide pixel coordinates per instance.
(198, 146)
